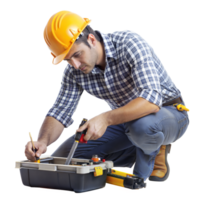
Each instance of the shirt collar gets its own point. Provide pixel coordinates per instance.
(109, 51)
(108, 46)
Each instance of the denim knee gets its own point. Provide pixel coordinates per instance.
(144, 134)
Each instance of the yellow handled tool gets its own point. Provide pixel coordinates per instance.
(125, 180)
(180, 107)
(31, 138)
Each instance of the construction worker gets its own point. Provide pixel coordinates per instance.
(122, 69)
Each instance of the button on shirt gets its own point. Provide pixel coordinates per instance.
(132, 70)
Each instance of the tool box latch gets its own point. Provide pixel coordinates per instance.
(98, 171)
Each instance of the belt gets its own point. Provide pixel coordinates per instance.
(177, 100)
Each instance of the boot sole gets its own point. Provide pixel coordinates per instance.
(155, 178)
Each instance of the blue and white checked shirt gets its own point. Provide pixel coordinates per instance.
(132, 70)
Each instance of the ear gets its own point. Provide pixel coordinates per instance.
(92, 40)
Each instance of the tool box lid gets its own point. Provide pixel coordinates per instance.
(58, 164)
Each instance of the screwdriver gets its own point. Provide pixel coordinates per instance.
(34, 150)
(78, 138)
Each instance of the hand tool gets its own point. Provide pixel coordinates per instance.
(78, 138)
(34, 150)
(125, 180)
(180, 107)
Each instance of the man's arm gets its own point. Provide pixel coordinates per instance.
(50, 131)
(146, 78)
(59, 116)
(135, 109)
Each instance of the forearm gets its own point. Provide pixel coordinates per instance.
(50, 131)
(135, 109)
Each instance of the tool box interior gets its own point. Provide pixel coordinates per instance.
(80, 176)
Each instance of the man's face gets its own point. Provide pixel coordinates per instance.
(81, 57)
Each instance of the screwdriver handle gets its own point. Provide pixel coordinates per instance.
(83, 122)
(80, 135)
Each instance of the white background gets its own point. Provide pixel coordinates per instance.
(30, 83)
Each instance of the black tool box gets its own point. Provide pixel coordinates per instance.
(81, 176)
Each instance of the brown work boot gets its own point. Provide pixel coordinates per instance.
(161, 167)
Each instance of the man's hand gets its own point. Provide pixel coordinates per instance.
(40, 146)
(96, 127)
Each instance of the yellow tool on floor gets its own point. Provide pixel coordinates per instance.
(180, 107)
(34, 149)
(125, 180)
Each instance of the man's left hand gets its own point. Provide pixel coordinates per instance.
(96, 127)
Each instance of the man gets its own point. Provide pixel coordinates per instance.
(122, 69)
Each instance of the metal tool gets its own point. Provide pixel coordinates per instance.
(34, 149)
(78, 138)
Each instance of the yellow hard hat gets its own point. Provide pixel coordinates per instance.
(61, 32)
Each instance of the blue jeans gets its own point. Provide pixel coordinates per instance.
(137, 141)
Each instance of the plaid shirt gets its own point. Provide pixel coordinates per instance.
(132, 70)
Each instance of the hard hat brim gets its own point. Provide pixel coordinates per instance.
(60, 57)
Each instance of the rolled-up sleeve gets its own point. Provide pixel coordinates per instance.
(67, 99)
(138, 55)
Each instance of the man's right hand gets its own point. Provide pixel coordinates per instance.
(40, 147)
